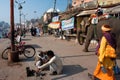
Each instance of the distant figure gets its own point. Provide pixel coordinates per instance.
(32, 32)
(37, 31)
(18, 38)
(54, 63)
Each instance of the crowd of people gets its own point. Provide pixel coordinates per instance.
(35, 31)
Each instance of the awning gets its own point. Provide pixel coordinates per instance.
(54, 25)
(115, 9)
(87, 12)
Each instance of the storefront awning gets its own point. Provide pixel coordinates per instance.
(115, 9)
(87, 12)
(54, 25)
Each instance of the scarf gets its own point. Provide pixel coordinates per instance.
(111, 40)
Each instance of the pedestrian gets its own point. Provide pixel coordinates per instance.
(18, 37)
(32, 31)
(106, 56)
(54, 63)
(37, 31)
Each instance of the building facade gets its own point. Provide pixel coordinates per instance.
(79, 2)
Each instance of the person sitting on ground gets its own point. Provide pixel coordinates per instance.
(54, 63)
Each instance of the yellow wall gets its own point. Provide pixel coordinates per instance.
(108, 2)
(78, 2)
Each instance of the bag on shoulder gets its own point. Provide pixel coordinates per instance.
(110, 51)
(116, 70)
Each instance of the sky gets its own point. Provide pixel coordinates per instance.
(31, 8)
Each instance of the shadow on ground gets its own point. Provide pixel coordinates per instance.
(35, 45)
(69, 70)
(117, 77)
(26, 39)
(78, 55)
(27, 59)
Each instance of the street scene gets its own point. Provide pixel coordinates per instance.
(60, 40)
(76, 63)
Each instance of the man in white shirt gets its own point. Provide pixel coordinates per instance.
(54, 63)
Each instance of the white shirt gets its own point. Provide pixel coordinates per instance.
(18, 38)
(54, 62)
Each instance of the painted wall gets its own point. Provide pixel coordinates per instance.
(78, 2)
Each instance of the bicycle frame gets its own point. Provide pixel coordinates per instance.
(20, 47)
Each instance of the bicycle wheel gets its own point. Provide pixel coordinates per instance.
(5, 53)
(29, 51)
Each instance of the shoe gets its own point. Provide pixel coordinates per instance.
(85, 50)
(40, 74)
(30, 72)
(53, 73)
(92, 77)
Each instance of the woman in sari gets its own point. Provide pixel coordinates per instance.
(106, 56)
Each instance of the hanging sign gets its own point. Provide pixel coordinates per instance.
(68, 24)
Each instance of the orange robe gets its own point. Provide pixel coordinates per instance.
(106, 62)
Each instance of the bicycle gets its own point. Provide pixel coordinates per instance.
(27, 50)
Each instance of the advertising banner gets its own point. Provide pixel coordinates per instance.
(54, 25)
(55, 19)
(68, 24)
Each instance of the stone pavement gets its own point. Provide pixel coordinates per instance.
(76, 63)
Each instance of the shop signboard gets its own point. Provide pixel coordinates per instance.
(67, 24)
(55, 19)
(54, 25)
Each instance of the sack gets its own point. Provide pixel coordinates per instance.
(110, 51)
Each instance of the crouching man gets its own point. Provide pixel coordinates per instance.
(54, 63)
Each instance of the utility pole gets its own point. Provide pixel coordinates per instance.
(24, 17)
(69, 3)
(20, 8)
(12, 55)
(54, 6)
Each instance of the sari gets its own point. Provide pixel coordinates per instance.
(109, 75)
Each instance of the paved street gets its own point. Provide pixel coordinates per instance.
(76, 62)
